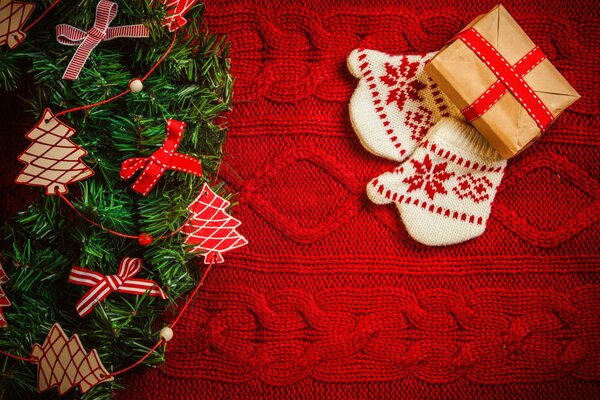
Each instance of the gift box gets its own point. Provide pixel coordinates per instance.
(501, 81)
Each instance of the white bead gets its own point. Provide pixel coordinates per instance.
(136, 86)
(166, 333)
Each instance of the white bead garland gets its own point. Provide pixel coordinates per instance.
(166, 333)
(136, 86)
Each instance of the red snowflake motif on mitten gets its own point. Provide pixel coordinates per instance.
(402, 82)
(395, 102)
(418, 122)
(428, 177)
(477, 189)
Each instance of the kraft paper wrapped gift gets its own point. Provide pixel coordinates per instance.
(503, 83)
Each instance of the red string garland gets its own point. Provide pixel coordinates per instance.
(46, 11)
(143, 238)
(162, 341)
(160, 60)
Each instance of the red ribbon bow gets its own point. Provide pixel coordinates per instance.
(161, 160)
(102, 286)
(106, 11)
(510, 79)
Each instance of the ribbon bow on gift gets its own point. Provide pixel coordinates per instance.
(510, 79)
(161, 160)
(106, 11)
(102, 286)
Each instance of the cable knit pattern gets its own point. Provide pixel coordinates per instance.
(332, 299)
(289, 335)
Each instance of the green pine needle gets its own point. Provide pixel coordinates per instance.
(43, 243)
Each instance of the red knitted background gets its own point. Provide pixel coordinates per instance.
(331, 298)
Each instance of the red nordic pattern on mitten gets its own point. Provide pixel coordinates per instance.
(477, 189)
(401, 80)
(445, 189)
(395, 102)
(428, 177)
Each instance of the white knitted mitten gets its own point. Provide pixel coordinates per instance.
(445, 190)
(395, 102)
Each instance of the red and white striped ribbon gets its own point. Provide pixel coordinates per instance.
(510, 78)
(162, 159)
(102, 285)
(106, 11)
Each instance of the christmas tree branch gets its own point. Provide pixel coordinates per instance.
(42, 244)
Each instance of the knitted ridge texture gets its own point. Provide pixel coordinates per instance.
(331, 299)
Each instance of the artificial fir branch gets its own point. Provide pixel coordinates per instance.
(193, 84)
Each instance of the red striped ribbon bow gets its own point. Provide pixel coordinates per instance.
(106, 11)
(161, 160)
(510, 79)
(102, 285)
